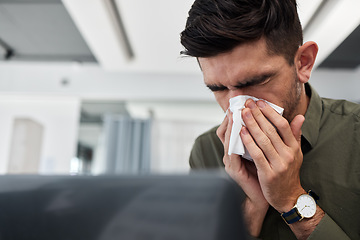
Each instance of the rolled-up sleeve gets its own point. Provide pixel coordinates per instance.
(328, 229)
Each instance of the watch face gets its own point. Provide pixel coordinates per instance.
(306, 205)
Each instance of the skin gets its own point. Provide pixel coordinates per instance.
(274, 176)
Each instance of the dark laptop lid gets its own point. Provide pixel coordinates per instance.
(195, 206)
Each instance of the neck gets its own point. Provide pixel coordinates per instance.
(303, 102)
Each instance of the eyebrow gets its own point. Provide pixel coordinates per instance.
(246, 83)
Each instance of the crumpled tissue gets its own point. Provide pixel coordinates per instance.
(237, 104)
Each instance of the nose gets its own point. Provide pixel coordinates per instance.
(223, 98)
(230, 94)
(235, 92)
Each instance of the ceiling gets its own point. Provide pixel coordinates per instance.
(39, 30)
(347, 54)
(142, 35)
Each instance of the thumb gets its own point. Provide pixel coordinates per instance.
(295, 126)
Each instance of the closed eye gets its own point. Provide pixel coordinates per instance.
(216, 88)
(258, 80)
(248, 82)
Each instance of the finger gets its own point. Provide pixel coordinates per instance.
(220, 132)
(233, 163)
(256, 153)
(296, 125)
(263, 141)
(281, 124)
(223, 133)
(264, 124)
(228, 132)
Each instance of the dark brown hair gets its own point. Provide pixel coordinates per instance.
(218, 26)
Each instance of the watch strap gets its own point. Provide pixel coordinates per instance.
(291, 216)
(313, 195)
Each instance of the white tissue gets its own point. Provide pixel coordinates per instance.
(237, 104)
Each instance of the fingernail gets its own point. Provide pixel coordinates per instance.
(251, 104)
(261, 104)
(248, 114)
(244, 131)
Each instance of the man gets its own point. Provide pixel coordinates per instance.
(254, 47)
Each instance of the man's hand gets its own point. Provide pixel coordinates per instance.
(274, 177)
(245, 174)
(275, 148)
(276, 151)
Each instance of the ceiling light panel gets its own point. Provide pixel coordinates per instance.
(306, 10)
(96, 24)
(332, 24)
(153, 28)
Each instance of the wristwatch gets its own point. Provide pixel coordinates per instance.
(305, 207)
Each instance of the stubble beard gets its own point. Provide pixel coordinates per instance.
(292, 100)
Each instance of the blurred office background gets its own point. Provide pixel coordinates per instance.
(99, 86)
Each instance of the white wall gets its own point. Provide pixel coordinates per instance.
(90, 82)
(338, 84)
(60, 118)
(172, 141)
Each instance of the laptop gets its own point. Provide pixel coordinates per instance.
(169, 207)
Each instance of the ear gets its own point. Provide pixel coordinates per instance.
(305, 59)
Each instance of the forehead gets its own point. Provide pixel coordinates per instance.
(243, 62)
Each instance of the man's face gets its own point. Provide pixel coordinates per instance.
(249, 70)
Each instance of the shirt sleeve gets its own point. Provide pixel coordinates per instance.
(207, 151)
(196, 159)
(328, 229)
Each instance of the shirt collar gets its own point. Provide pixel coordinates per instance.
(311, 126)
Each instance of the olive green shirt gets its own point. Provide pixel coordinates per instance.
(331, 167)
